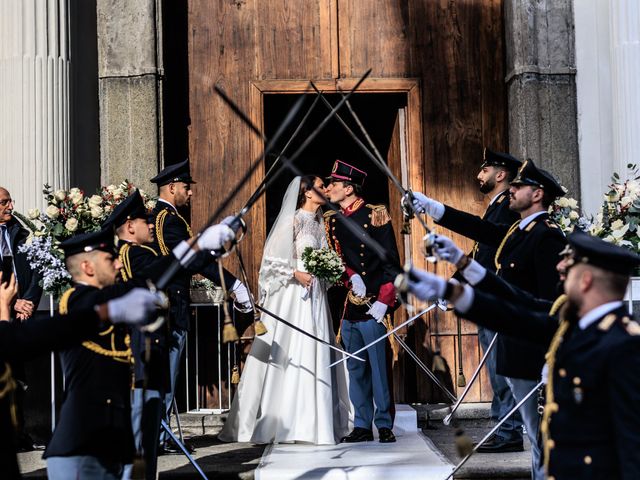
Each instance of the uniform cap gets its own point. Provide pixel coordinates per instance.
(491, 158)
(89, 242)
(529, 174)
(585, 248)
(348, 173)
(130, 208)
(174, 173)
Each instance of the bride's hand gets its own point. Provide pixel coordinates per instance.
(305, 279)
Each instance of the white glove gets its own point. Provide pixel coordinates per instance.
(184, 253)
(242, 295)
(134, 307)
(378, 311)
(214, 237)
(424, 204)
(357, 285)
(426, 286)
(446, 250)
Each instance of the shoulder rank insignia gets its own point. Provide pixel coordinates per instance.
(329, 213)
(633, 328)
(551, 224)
(529, 227)
(606, 323)
(501, 199)
(379, 215)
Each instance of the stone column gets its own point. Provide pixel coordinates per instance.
(129, 90)
(541, 86)
(34, 98)
(625, 81)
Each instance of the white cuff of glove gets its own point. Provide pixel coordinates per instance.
(431, 207)
(465, 301)
(357, 285)
(378, 311)
(183, 253)
(241, 292)
(133, 307)
(214, 237)
(474, 273)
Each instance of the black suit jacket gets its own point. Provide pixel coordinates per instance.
(596, 386)
(28, 280)
(170, 230)
(24, 341)
(528, 260)
(95, 418)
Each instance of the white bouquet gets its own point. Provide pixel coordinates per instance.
(323, 263)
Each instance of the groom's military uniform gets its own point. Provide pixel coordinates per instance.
(369, 381)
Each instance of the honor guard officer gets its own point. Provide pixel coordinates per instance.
(496, 171)
(140, 262)
(26, 340)
(174, 185)
(371, 298)
(94, 430)
(591, 423)
(526, 256)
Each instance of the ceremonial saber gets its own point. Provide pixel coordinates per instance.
(304, 332)
(447, 419)
(494, 429)
(389, 333)
(426, 369)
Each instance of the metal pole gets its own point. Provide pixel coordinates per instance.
(184, 449)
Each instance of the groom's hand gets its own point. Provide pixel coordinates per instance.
(378, 311)
(358, 287)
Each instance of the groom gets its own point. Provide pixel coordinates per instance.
(370, 299)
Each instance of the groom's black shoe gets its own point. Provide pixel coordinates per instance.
(385, 435)
(358, 435)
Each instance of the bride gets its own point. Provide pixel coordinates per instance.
(286, 392)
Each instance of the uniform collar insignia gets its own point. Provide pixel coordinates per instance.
(353, 207)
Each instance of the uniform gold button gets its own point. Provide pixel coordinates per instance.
(333, 220)
(362, 254)
(157, 341)
(364, 273)
(365, 225)
(369, 215)
(362, 245)
(334, 237)
(577, 381)
(588, 460)
(108, 401)
(362, 264)
(551, 444)
(562, 372)
(512, 265)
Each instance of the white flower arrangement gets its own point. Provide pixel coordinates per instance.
(67, 213)
(618, 219)
(323, 263)
(565, 213)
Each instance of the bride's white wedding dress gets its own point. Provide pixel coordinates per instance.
(286, 392)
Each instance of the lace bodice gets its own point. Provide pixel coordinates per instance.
(308, 231)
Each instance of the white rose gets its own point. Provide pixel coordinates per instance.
(52, 212)
(96, 212)
(71, 224)
(612, 197)
(33, 213)
(60, 195)
(626, 201)
(618, 233)
(111, 188)
(95, 201)
(562, 202)
(617, 225)
(76, 196)
(118, 193)
(573, 203)
(573, 215)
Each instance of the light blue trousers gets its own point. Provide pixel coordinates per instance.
(82, 467)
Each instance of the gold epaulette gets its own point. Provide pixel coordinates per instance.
(379, 215)
(501, 199)
(529, 227)
(606, 323)
(329, 213)
(160, 218)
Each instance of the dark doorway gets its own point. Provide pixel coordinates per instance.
(377, 112)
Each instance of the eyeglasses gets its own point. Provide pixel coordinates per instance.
(6, 201)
